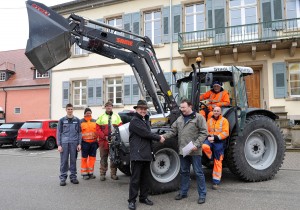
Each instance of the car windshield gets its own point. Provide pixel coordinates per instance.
(30, 125)
(8, 125)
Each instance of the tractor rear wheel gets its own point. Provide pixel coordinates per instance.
(258, 154)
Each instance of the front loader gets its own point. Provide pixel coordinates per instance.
(255, 149)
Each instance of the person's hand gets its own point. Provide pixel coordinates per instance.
(78, 147)
(162, 139)
(60, 149)
(211, 139)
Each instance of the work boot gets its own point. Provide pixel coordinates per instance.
(114, 177)
(215, 187)
(62, 183)
(102, 178)
(74, 181)
(86, 177)
(92, 176)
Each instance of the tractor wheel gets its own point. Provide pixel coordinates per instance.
(164, 171)
(258, 154)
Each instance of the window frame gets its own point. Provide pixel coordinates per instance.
(114, 86)
(81, 94)
(2, 76)
(17, 108)
(194, 14)
(152, 21)
(42, 76)
(115, 19)
(289, 78)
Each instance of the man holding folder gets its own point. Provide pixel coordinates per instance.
(191, 130)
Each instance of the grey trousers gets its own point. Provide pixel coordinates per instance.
(69, 150)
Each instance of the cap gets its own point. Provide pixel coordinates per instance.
(217, 83)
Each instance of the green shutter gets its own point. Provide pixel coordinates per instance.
(279, 78)
(91, 92)
(127, 90)
(65, 93)
(176, 20)
(166, 24)
(98, 91)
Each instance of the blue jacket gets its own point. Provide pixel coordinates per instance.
(68, 131)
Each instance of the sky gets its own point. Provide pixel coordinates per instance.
(14, 23)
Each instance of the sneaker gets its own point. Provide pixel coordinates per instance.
(215, 187)
(86, 177)
(114, 177)
(74, 181)
(63, 183)
(102, 178)
(92, 176)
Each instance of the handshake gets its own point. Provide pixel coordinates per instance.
(162, 139)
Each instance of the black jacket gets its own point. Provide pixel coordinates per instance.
(140, 138)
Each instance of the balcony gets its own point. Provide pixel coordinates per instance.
(264, 36)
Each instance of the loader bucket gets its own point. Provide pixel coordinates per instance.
(49, 40)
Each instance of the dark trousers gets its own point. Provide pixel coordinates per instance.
(139, 174)
(69, 150)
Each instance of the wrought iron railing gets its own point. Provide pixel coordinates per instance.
(249, 33)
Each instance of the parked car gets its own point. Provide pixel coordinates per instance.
(9, 132)
(38, 133)
(127, 115)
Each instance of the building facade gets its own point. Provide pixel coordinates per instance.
(24, 93)
(262, 34)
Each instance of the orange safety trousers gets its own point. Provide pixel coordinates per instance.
(87, 165)
(217, 169)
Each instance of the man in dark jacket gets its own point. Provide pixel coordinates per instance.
(140, 140)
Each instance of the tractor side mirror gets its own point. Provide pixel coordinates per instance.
(208, 79)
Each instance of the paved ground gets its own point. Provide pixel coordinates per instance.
(29, 180)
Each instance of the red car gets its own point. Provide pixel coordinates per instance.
(37, 133)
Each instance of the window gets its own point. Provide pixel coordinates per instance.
(114, 90)
(79, 93)
(2, 76)
(116, 22)
(152, 27)
(294, 71)
(39, 75)
(243, 12)
(194, 20)
(78, 51)
(17, 110)
(293, 11)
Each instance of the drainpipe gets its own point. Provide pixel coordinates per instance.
(50, 95)
(171, 37)
(5, 103)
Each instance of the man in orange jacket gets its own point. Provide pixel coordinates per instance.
(217, 96)
(213, 146)
(89, 144)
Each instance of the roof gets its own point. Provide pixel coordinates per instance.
(244, 70)
(23, 76)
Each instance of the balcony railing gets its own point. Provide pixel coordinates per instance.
(249, 33)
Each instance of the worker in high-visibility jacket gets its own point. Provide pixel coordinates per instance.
(105, 123)
(217, 96)
(89, 144)
(213, 146)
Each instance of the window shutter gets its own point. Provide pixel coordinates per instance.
(176, 20)
(266, 13)
(136, 19)
(179, 75)
(209, 14)
(279, 78)
(277, 10)
(166, 24)
(219, 10)
(168, 76)
(98, 91)
(127, 90)
(135, 90)
(65, 93)
(127, 24)
(91, 92)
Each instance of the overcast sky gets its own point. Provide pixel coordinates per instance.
(14, 23)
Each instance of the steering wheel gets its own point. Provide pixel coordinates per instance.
(203, 104)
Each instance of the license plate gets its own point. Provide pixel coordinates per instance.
(25, 139)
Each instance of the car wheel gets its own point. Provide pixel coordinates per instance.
(50, 143)
(14, 143)
(1, 145)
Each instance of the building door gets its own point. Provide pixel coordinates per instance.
(253, 88)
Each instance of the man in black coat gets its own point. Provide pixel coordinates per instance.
(140, 140)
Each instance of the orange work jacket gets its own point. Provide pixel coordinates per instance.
(88, 130)
(219, 127)
(219, 99)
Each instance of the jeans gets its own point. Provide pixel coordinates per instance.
(185, 165)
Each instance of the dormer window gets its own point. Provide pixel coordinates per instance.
(2, 76)
(39, 75)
